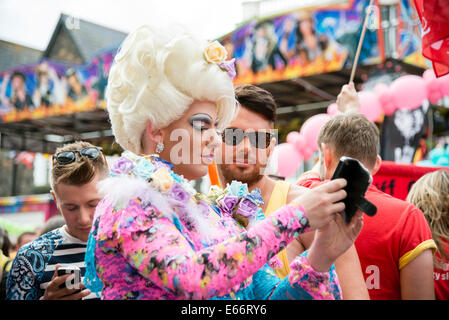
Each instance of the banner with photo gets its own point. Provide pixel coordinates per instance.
(402, 133)
(296, 44)
(307, 42)
(52, 88)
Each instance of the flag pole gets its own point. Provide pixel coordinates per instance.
(359, 47)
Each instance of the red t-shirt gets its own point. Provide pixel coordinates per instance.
(441, 277)
(396, 235)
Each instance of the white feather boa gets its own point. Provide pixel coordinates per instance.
(123, 188)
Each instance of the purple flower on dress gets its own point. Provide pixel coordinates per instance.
(229, 66)
(246, 208)
(122, 166)
(178, 193)
(228, 203)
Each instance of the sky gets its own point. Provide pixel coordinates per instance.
(31, 22)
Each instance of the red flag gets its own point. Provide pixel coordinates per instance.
(434, 16)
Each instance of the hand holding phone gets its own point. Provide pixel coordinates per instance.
(75, 282)
(358, 180)
(66, 285)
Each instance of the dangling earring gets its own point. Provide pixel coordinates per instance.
(159, 147)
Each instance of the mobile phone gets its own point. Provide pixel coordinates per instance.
(75, 282)
(358, 180)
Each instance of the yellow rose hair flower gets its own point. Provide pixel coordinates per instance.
(215, 53)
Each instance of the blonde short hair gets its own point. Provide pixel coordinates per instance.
(156, 75)
(431, 194)
(352, 135)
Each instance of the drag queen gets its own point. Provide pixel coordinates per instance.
(154, 237)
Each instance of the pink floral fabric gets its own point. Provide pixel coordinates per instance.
(141, 254)
(188, 250)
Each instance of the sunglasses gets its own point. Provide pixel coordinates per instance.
(67, 157)
(258, 139)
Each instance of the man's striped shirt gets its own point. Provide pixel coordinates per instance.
(34, 264)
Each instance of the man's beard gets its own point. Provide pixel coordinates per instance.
(248, 177)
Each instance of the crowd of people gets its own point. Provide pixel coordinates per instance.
(137, 229)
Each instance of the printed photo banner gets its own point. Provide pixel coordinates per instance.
(307, 42)
(52, 88)
(287, 46)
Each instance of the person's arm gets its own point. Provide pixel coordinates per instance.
(169, 261)
(301, 284)
(350, 274)
(295, 248)
(329, 243)
(417, 278)
(301, 243)
(347, 266)
(22, 281)
(415, 251)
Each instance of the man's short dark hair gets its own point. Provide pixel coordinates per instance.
(257, 100)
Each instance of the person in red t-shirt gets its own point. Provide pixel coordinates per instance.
(431, 194)
(395, 246)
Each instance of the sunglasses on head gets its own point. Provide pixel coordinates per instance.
(258, 139)
(67, 157)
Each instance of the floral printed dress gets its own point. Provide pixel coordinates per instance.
(154, 237)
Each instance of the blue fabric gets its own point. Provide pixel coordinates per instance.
(28, 267)
(91, 279)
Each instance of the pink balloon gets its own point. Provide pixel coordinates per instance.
(288, 158)
(311, 128)
(408, 92)
(383, 94)
(428, 75)
(370, 105)
(433, 86)
(307, 153)
(300, 143)
(292, 136)
(332, 109)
